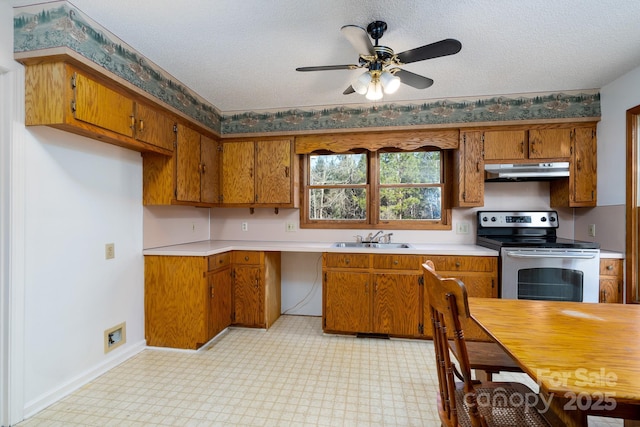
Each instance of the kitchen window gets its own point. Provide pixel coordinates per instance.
(387, 188)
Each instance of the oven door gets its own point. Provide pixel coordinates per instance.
(551, 274)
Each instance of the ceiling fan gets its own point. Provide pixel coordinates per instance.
(382, 64)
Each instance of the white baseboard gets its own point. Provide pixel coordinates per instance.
(36, 405)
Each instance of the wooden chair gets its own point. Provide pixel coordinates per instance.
(470, 402)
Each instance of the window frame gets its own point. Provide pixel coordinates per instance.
(373, 187)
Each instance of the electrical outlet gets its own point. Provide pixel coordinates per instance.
(462, 227)
(109, 251)
(245, 226)
(290, 226)
(592, 230)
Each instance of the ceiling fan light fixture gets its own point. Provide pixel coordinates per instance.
(374, 93)
(390, 83)
(361, 85)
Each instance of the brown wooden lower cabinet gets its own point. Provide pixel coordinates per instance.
(611, 280)
(256, 288)
(176, 299)
(384, 294)
(191, 299)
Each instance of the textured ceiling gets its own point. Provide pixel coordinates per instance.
(242, 55)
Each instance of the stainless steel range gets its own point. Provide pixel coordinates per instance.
(534, 262)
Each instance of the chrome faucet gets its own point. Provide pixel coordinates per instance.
(373, 237)
(386, 238)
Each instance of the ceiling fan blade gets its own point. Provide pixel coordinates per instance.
(434, 50)
(329, 67)
(349, 90)
(358, 38)
(413, 79)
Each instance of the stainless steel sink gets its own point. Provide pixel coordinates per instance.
(372, 245)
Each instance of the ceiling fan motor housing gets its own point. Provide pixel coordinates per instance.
(376, 29)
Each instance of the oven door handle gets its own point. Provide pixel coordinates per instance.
(548, 255)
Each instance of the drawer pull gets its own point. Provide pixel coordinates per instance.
(347, 260)
(609, 267)
(395, 262)
(246, 258)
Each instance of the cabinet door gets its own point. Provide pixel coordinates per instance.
(504, 145)
(100, 106)
(347, 302)
(220, 289)
(176, 301)
(550, 143)
(248, 296)
(210, 179)
(469, 181)
(188, 165)
(273, 171)
(610, 290)
(238, 172)
(584, 176)
(154, 127)
(396, 303)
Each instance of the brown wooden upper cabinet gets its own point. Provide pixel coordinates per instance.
(259, 172)
(468, 166)
(67, 97)
(191, 176)
(522, 145)
(580, 188)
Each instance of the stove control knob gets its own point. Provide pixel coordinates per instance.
(543, 219)
(485, 219)
(552, 219)
(493, 219)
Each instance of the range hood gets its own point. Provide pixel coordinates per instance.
(526, 171)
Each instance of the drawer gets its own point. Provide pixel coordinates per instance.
(464, 263)
(219, 260)
(397, 262)
(610, 267)
(346, 260)
(247, 257)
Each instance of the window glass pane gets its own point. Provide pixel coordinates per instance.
(418, 167)
(337, 204)
(336, 169)
(410, 203)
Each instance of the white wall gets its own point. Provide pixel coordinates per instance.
(80, 194)
(68, 197)
(172, 225)
(616, 98)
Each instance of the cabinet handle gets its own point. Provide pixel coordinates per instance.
(204, 168)
(579, 165)
(521, 147)
(133, 121)
(532, 147)
(477, 166)
(366, 288)
(257, 284)
(141, 126)
(286, 171)
(211, 292)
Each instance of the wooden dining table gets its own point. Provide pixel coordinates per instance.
(585, 356)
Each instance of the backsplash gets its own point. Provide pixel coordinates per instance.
(50, 27)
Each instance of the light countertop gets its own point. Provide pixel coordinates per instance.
(212, 247)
